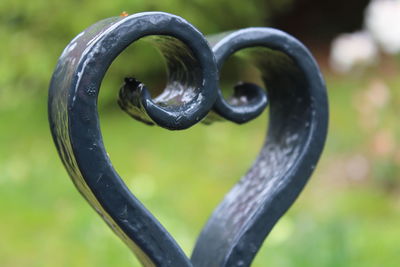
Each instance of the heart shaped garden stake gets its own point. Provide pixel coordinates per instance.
(297, 128)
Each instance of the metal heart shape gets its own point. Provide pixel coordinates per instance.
(297, 129)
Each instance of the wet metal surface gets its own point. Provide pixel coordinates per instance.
(298, 110)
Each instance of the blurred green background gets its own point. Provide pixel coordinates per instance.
(348, 215)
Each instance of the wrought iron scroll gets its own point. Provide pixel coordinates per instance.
(298, 110)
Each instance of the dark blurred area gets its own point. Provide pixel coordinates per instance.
(318, 22)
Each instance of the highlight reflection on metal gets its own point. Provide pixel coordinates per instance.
(298, 121)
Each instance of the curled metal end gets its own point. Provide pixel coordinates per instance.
(190, 91)
(248, 100)
(130, 99)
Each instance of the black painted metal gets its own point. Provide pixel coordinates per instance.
(297, 129)
(248, 100)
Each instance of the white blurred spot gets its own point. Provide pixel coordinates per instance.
(352, 50)
(382, 20)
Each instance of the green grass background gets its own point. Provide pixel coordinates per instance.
(181, 176)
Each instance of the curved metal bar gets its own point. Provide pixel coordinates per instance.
(190, 91)
(296, 136)
(297, 129)
(248, 100)
(75, 125)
